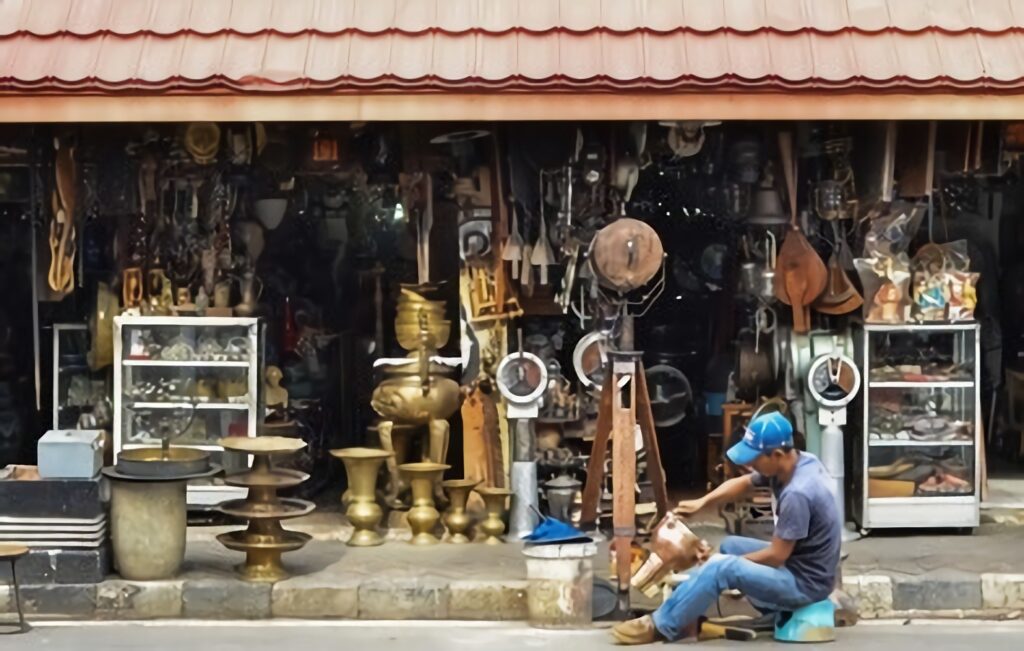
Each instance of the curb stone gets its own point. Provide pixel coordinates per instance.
(1002, 591)
(873, 594)
(939, 590)
(414, 598)
(225, 599)
(314, 599)
(945, 594)
(488, 600)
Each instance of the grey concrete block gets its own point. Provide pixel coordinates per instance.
(59, 601)
(225, 598)
(37, 568)
(42, 566)
(84, 566)
(138, 600)
(311, 598)
(412, 598)
(487, 600)
(941, 590)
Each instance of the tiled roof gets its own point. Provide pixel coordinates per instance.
(478, 45)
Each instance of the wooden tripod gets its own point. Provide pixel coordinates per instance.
(625, 404)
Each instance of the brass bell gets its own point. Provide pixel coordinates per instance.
(767, 204)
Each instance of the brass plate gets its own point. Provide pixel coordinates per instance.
(242, 541)
(284, 509)
(277, 478)
(263, 444)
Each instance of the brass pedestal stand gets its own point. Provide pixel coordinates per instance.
(265, 540)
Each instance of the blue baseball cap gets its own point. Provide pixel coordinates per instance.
(765, 433)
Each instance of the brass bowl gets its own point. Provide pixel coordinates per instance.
(262, 444)
(413, 370)
(409, 336)
(154, 462)
(411, 313)
(400, 398)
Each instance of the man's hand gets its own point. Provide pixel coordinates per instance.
(689, 507)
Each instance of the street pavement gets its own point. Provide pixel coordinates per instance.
(281, 635)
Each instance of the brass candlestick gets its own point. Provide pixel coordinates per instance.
(494, 502)
(423, 516)
(264, 540)
(362, 466)
(455, 518)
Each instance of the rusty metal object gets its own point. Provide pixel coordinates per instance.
(626, 255)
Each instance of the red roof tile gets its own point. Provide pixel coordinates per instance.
(431, 45)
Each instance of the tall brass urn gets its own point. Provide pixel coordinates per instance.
(423, 516)
(456, 520)
(493, 525)
(362, 466)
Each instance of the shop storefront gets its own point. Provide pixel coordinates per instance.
(405, 250)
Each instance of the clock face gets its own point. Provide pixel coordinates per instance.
(834, 379)
(520, 376)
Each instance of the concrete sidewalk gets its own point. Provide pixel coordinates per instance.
(891, 576)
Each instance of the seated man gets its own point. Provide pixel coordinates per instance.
(797, 568)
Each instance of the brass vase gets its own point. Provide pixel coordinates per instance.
(362, 466)
(493, 525)
(423, 516)
(456, 520)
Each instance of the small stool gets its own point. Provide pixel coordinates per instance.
(12, 553)
(813, 623)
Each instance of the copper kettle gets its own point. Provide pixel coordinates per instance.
(673, 548)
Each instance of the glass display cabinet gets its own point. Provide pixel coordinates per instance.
(192, 380)
(920, 456)
(77, 389)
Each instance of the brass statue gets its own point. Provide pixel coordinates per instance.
(414, 390)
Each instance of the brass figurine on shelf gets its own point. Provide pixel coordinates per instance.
(264, 540)
(362, 466)
(423, 516)
(493, 525)
(456, 520)
(414, 390)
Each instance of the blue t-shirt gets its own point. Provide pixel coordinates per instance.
(805, 512)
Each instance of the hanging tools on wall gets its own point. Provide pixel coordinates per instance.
(61, 275)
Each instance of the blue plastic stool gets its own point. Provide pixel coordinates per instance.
(813, 623)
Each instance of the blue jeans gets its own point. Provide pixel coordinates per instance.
(768, 589)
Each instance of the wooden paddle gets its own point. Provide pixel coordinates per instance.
(800, 275)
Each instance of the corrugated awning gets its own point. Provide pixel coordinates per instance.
(77, 60)
(365, 46)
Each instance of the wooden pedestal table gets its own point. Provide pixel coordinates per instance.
(265, 540)
(12, 553)
(148, 509)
